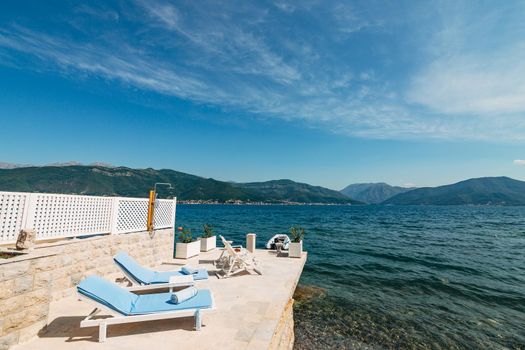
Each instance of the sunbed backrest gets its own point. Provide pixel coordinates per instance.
(229, 247)
(137, 271)
(107, 293)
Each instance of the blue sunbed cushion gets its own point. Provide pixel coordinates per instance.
(147, 276)
(188, 270)
(160, 302)
(108, 294)
(183, 295)
(164, 276)
(137, 271)
(202, 274)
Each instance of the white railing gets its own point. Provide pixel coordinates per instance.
(55, 216)
(129, 216)
(165, 211)
(13, 208)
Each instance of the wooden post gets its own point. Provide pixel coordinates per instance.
(151, 210)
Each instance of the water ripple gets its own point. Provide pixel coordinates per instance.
(418, 277)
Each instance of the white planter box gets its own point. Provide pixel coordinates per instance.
(295, 250)
(187, 250)
(208, 243)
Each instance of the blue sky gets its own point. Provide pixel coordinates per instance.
(328, 93)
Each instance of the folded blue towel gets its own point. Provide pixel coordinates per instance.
(183, 295)
(189, 270)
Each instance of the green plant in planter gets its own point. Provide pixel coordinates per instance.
(185, 235)
(208, 231)
(297, 234)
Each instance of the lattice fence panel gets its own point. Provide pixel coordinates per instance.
(57, 215)
(132, 215)
(164, 213)
(12, 206)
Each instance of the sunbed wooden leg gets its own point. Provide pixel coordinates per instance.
(92, 313)
(102, 328)
(198, 321)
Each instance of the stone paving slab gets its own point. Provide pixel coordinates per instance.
(248, 310)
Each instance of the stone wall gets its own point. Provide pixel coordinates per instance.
(29, 283)
(283, 338)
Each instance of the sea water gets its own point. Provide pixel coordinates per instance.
(396, 277)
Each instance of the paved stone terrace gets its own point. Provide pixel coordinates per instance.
(252, 312)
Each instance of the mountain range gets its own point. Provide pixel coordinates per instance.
(276, 190)
(123, 181)
(5, 165)
(372, 193)
(480, 191)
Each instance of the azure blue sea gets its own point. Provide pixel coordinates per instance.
(395, 277)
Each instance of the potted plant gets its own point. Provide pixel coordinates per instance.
(186, 246)
(295, 249)
(208, 239)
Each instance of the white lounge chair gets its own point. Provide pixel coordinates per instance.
(126, 307)
(224, 258)
(234, 262)
(143, 278)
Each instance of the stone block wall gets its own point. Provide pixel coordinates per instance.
(284, 336)
(29, 283)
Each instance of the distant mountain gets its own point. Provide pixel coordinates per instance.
(123, 181)
(4, 165)
(372, 193)
(289, 190)
(480, 191)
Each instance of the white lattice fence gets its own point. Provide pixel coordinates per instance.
(164, 213)
(132, 215)
(57, 215)
(12, 209)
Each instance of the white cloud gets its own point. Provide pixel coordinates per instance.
(519, 162)
(236, 57)
(473, 84)
(165, 13)
(131, 69)
(226, 46)
(475, 63)
(284, 6)
(96, 12)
